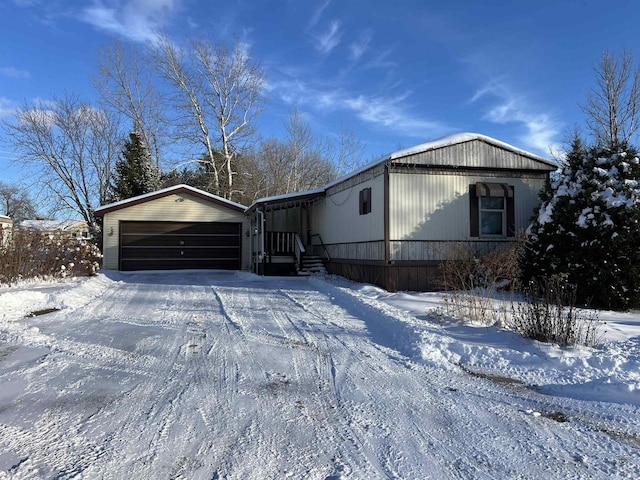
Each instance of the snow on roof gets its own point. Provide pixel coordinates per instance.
(287, 196)
(461, 138)
(423, 147)
(51, 225)
(167, 191)
(4, 217)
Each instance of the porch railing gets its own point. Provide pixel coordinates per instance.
(285, 244)
(299, 251)
(280, 243)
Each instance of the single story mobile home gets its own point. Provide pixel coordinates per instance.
(390, 223)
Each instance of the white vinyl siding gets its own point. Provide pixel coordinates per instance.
(171, 208)
(436, 206)
(337, 217)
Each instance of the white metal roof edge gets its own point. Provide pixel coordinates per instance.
(167, 191)
(286, 196)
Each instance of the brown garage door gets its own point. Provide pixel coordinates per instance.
(179, 245)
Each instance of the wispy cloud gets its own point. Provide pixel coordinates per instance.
(13, 72)
(330, 39)
(509, 107)
(381, 60)
(360, 46)
(389, 113)
(138, 20)
(392, 113)
(317, 14)
(8, 107)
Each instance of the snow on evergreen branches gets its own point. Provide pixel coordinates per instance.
(588, 226)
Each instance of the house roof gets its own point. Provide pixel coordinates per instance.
(462, 138)
(177, 189)
(407, 152)
(295, 197)
(52, 225)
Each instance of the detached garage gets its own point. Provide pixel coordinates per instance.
(179, 227)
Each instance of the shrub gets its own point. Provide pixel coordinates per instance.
(472, 279)
(34, 254)
(548, 314)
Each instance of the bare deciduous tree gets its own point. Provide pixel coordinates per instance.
(300, 162)
(72, 146)
(613, 105)
(15, 202)
(218, 93)
(304, 157)
(125, 84)
(348, 152)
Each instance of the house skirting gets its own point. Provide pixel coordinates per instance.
(422, 276)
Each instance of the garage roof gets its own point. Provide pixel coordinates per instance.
(177, 189)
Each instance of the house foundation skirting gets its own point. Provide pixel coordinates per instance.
(420, 276)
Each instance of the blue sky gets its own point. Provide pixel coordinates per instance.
(395, 73)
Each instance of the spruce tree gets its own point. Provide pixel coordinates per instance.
(588, 225)
(136, 173)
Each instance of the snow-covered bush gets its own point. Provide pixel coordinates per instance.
(588, 227)
(34, 254)
(548, 314)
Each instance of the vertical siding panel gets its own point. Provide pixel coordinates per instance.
(337, 219)
(474, 153)
(435, 207)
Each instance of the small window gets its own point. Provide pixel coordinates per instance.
(365, 201)
(492, 216)
(491, 209)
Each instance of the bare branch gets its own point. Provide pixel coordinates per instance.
(72, 145)
(612, 106)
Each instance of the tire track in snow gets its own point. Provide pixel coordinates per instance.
(491, 408)
(279, 381)
(59, 445)
(350, 456)
(359, 399)
(171, 408)
(247, 381)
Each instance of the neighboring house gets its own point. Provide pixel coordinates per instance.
(179, 227)
(5, 229)
(390, 223)
(74, 228)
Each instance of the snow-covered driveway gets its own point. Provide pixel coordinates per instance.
(213, 375)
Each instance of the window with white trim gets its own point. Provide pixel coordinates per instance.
(493, 216)
(491, 209)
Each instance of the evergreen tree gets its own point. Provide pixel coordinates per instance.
(135, 172)
(588, 225)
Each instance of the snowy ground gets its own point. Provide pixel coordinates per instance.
(229, 375)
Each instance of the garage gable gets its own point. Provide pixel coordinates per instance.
(175, 228)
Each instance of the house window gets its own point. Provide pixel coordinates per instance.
(491, 209)
(492, 216)
(365, 201)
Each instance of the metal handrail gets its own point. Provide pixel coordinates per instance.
(299, 251)
(326, 252)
